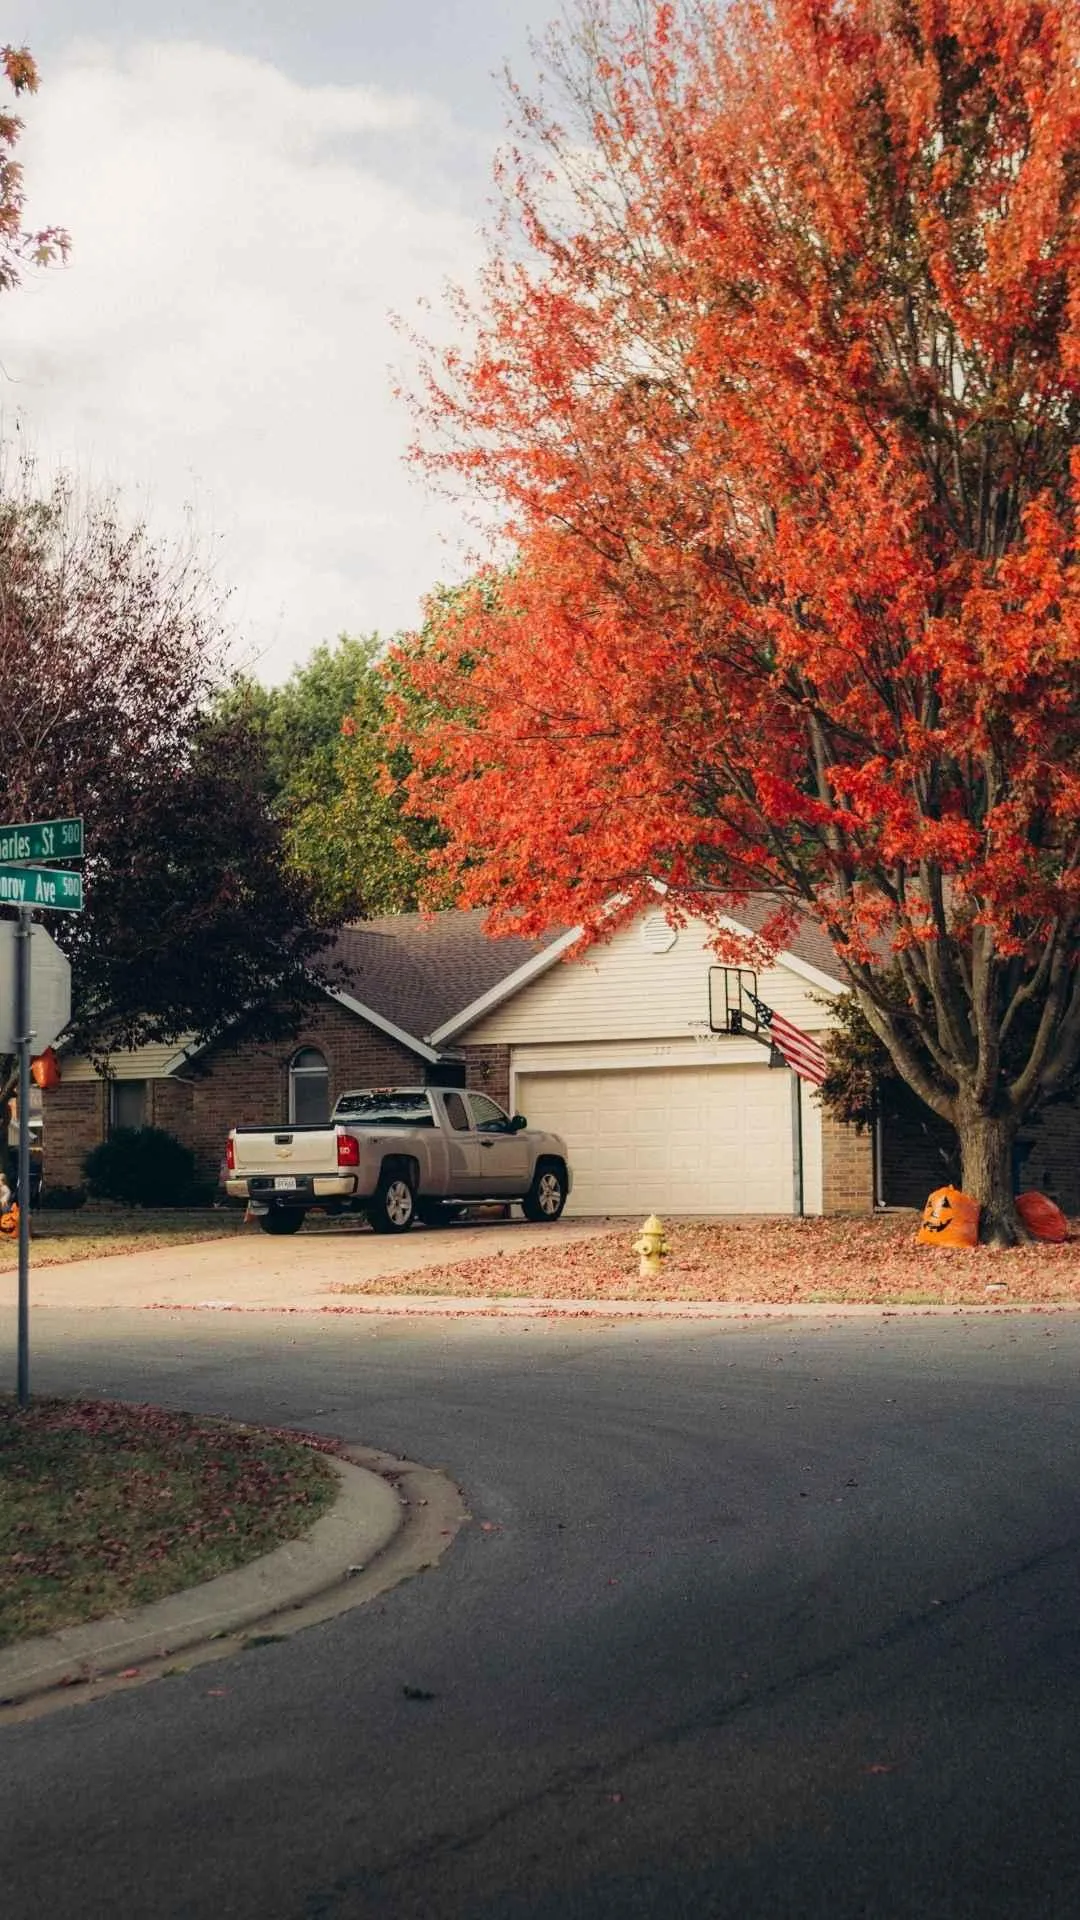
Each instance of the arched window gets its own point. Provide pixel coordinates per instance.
(309, 1088)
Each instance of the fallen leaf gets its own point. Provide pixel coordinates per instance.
(129, 1673)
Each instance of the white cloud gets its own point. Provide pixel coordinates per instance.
(221, 337)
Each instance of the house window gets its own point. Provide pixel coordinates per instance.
(127, 1103)
(309, 1089)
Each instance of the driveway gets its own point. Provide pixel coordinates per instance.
(752, 1624)
(253, 1269)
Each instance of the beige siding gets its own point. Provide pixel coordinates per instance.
(145, 1063)
(624, 991)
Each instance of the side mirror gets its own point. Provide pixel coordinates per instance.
(518, 1122)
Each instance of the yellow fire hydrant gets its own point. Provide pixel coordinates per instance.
(652, 1246)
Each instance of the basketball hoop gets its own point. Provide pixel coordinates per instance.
(731, 1010)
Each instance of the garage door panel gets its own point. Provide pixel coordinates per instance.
(684, 1140)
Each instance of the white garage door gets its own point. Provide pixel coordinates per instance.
(670, 1140)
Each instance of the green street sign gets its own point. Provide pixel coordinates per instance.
(42, 840)
(41, 887)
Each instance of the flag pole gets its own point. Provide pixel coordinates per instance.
(799, 1205)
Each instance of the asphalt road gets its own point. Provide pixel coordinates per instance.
(775, 1621)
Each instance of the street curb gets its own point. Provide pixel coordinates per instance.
(363, 1521)
(475, 1306)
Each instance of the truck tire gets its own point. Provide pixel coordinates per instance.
(282, 1220)
(393, 1209)
(546, 1197)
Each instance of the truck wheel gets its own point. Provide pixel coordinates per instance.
(393, 1209)
(281, 1220)
(546, 1197)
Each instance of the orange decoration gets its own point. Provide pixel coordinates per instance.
(9, 1221)
(1043, 1220)
(45, 1069)
(950, 1219)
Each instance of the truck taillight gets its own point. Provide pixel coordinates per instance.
(230, 1155)
(348, 1150)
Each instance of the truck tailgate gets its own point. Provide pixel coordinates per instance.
(285, 1150)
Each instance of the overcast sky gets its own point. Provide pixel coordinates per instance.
(251, 187)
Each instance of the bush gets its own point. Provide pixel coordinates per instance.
(141, 1167)
(62, 1199)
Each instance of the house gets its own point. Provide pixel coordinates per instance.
(617, 1051)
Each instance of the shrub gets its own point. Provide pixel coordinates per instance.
(141, 1167)
(62, 1199)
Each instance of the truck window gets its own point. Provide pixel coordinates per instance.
(387, 1109)
(455, 1112)
(487, 1116)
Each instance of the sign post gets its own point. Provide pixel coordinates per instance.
(22, 1041)
(27, 887)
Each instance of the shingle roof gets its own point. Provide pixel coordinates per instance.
(419, 970)
(807, 943)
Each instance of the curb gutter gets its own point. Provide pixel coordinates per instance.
(365, 1518)
(449, 1306)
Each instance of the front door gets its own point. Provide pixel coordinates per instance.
(504, 1154)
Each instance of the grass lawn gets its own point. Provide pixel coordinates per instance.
(868, 1261)
(104, 1507)
(61, 1237)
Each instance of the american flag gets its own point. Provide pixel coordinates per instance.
(802, 1054)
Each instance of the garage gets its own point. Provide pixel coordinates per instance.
(693, 1139)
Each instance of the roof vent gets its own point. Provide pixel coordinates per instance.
(657, 935)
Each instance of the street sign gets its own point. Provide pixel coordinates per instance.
(42, 840)
(50, 988)
(41, 887)
(32, 1017)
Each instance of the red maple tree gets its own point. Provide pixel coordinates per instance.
(19, 247)
(780, 409)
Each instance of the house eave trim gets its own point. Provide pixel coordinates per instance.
(385, 1026)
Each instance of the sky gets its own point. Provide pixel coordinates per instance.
(252, 189)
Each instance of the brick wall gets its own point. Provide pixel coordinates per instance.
(847, 1168)
(487, 1070)
(245, 1085)
(74, 1121)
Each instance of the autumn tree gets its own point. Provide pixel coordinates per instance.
(335, 778)
(773, 381)
(20, 246)
(111, 651)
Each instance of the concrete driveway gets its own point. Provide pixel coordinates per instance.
(252, 1269)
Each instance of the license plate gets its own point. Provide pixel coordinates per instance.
(285, 1183)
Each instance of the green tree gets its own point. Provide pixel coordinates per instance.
(335, 777)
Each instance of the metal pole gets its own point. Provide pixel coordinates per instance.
(799, 1207)
(23, 940)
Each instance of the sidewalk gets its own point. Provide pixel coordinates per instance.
(251, 1269)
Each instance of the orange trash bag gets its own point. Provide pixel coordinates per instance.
(950, 1219)
(1043, 1220)
(45, 1068)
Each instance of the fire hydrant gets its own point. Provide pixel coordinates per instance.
(652, 1246)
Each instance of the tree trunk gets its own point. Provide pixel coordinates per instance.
(986, 1161)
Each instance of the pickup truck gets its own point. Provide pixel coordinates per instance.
(398, 1154)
